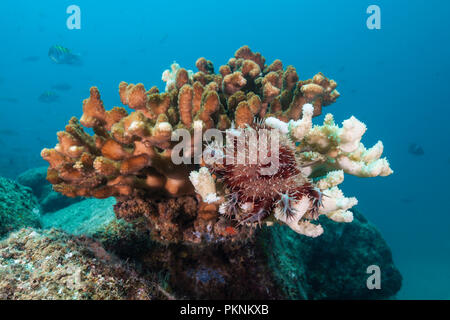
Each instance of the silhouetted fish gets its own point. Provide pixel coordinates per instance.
(406, 200)
(8, 132)
(415, 149)
(48, 97)
(62, 86)
(61, 55)
(31, 59)
(164, 38)
(19, 150)
(8, 99)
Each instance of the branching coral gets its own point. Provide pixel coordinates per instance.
(330, 147)
(304, 184)
(130, 154)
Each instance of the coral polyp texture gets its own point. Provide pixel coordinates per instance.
(130, 154)
(311, 162)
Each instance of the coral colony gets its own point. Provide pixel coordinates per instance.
(275, 165)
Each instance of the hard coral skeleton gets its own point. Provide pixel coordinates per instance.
(130, 154)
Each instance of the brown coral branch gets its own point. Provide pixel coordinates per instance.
(129, 156)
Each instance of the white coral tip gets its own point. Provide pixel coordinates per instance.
(308, 110)
(341, 216)
(373, 153)
(203, 183)
(332, 179)
(164, 126)
(308, 229)
(211, 198)
(351, 134)
(277, 124)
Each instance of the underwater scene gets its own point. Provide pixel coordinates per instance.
(204, 150)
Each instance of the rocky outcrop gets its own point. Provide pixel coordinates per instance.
(18, 207)
(334, 265)
(81, 218)
(277, 264)
(51, 264)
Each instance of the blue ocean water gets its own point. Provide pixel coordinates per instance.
(394, 79)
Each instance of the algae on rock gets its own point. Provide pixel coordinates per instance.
(51, 264)
(332, 266)
(82, 218)
(18, 207)
(276, 264)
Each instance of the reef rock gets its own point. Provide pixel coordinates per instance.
(82, 218)
(280, 264)
(18, 207)
(277, 264)
(50, 200)
(334, 265)
(95, 218)
(53, 265)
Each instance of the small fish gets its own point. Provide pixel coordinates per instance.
(415, 149)
(406, 200)
(48, 97)
(62, 86)
(8, 99)
(61, 55)
(8, 132)
(31, 59)
(164, 38)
